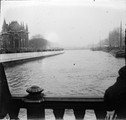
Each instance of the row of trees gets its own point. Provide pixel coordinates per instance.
(115, 40)
(39, 43)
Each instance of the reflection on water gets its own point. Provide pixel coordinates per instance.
(76, 72)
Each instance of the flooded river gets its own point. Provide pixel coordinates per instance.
(74, 73)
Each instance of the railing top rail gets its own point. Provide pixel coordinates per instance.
(63, 98)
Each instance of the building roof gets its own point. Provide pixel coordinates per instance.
(14, 26)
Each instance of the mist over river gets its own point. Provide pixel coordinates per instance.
(74, 73)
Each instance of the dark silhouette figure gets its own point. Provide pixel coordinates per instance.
(115, 96)
(5, 95)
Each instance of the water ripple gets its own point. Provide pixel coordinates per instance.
(77, 72)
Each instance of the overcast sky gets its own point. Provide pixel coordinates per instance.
(67, 22)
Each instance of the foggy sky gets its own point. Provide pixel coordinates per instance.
(68, 22)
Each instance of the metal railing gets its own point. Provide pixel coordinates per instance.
(35, 102)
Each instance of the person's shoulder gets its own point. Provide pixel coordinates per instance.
(112, 88)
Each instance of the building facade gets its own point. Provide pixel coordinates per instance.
(14, 37)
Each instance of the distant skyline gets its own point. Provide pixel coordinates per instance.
(69, 23)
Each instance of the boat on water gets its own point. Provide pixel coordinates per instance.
(120, 54)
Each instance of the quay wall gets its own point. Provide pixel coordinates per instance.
(7, 58)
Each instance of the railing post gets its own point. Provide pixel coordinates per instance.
(58, 113)
(35, 110)
(5, 96)
(100, 114)
(79, 113)
(14, 110)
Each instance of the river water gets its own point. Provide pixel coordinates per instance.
(74, 73)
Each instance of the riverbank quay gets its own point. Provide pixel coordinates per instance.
(118, 53)
(115, 52)
(21, 57)
(101, 49)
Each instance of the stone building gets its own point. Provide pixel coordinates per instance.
(14, 37)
